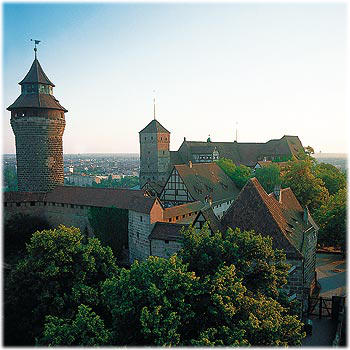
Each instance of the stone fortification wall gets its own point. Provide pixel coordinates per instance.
(295, 279)
(164, 249)
(140, 228)
(39, 150)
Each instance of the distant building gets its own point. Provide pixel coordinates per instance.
(38, 122)
(154, 153)
(81, 180)
(157, 161)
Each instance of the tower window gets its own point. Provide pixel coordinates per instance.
(161, 138)
(151, 137)
(163, 152)
(141, 218)
(145, 138)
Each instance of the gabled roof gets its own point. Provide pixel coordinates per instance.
(154, 127)
(209, 216)
(166, 231)
(153, 186)
(283, 220)
(207, 179)
(36, 101)
(36, 75)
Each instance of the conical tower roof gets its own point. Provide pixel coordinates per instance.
(36, 75)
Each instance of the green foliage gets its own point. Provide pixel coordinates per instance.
(331, 218)
(86, 329)
(125, 182)
(261, 268)
(234, 317)
(58, 273)
(333, 178)
(308, 189)
(268, 177)
(17, 232)
(151, 304)
(238, 174)
(110, 226)
(10, 178)
(282, 159)
(309, 150)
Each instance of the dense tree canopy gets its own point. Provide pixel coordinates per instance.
(17, 232)
(86, 329)
(58, 273)
(308, 188)
(331, 218)
(238, 174)
(110, 226)
(333, 178)
(269, 177)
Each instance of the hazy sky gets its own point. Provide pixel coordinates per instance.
(276, 69)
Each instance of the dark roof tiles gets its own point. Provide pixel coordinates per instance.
(166, 231)
(36, 101)
(154, 127)
(36, 75)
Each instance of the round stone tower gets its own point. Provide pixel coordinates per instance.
(38, 122)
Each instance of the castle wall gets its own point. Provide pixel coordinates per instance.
(139, 229)
(164, 249)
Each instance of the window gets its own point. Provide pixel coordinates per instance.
(170, 220)
(177, 218)
(18, 204)
(5, 204)
(72, 205)
(141, 218)
(138, 235)
(32, 204)
(45, 203)
(183, 215)
(145, 138)
(166, 241)
(62, 205)
(291, 269)
(81, 207)
(151, 137)
(163, 152)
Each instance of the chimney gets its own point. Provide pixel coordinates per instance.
(277, 192)
(184, 138)
(306, 214)
(190, 164)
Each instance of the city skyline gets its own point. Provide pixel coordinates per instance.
(275, 69)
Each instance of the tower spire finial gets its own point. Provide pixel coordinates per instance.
(154, 105)
(236, 132)
(36, 42)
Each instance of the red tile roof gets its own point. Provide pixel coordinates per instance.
(255, 210)
(13, 197)
(182, 209)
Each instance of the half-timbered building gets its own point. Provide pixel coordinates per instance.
(204, 182)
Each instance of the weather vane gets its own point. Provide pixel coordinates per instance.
(36, 42)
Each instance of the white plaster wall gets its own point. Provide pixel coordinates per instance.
(164, 250)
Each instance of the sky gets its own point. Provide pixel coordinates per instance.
(267, 69)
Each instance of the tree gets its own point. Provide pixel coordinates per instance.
(151, 304)
(269, 177)
(308, 189)
(58, 273)
(309, 150)
(331, 218)
(86, 329)
(234, 317)
(110, 226)
(333, 178)
(10, 178)
(17, 232)
(238, 174)
(261, 268)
